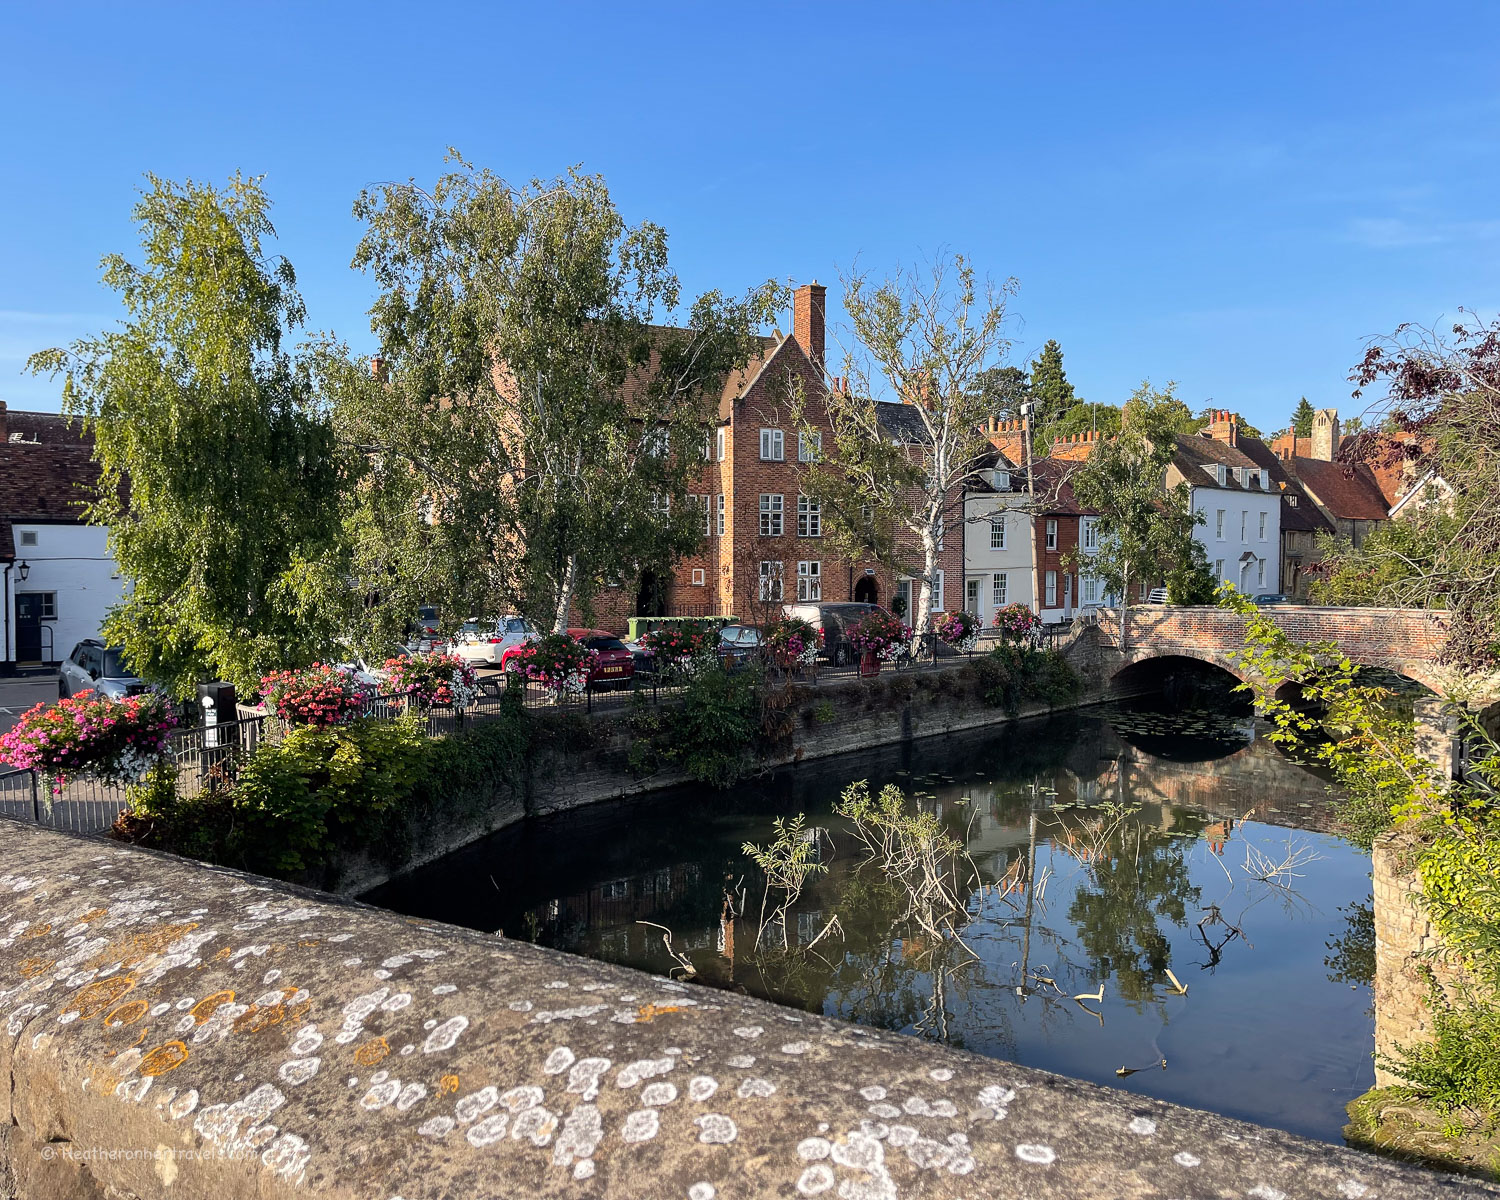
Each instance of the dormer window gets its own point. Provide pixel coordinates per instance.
(1000, 480)
(1221, 474)
(1265, 480)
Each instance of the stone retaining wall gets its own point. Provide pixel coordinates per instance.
(177, 1031)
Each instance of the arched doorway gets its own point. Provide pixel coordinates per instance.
(867, 590)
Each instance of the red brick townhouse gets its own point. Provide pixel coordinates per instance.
(763, 542)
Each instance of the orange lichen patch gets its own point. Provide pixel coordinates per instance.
(145, 1029)
(129, 951)
(93, 915)
(447, 1085)
(166, 1057)
(127, 1013)
(37, 931)
(258, 1017)
(371, 1052)
(206, 1007)
(29, 968)
(649, 1012)
(309, 943)
(92, 999)
(223, 954)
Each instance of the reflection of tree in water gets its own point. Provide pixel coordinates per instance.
(1139, 876)
(1352, 957)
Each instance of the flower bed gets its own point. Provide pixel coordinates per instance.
(960, 630)
(437, 678)
(795, 640)
(681, 647)
(1017, 623)
(880, 634)
(320, 695)
(557, 662)
(116, 740)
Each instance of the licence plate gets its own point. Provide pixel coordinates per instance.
(611, 671)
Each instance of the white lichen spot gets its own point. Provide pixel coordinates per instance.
(556, 983)
(443, 989)
(755, 1089)
(1184, 1159)
(287, 1156)
(567, 1014)
(443, 1037)
(584, 1078)
(742, 1062)
(858, 1150)
(488, 1131)
(583, 1169)
(396, 960)
(873, 1092)
(307, 1040)
(658, 1095)
(816, 1180)
(380, 1095)
(1264, 1191)
(558, 1061)
(518, 1099)
(436, 1127)
(795, 1048)
(641, 1125)
(299, 1070)
(520, 1006)
(381, 974)
(538, 1124)
(410, 1094)
(580, 1135)
(643, 1068)
(1352, 1189)
(702, 1191)
(183, 1105)
(476, 1104)
(715, 1129)
(397, 1002)
(941, 1074)
(702, 1087)
(1042, 1156)
(1144, 1126)
(886, 1112)
(748, 1031)
(813, 1149)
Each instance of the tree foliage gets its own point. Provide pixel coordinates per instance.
(1145, 528)
(534, 432)
(1302, 418)
(924, 338)
(221, 480)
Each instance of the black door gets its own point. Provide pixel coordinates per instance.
(651, 600)
(28, 627)
(867, 591)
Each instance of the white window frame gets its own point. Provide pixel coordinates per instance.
(28, 537)
(661, 503)
(1000, 480)
(719, 442)
(937, 593)
(1051, 584)
(1090, 533)
(1244, 520)
(1219, 568)
(809, 516)
(999, 589)
(1088, 587)
(708, 514)
(1263, 526)
(772, 506)
(698, 577)
(719, 522)
(1260, 572)
(772, 445)
(997, 531)
(1219, 524)
(810, 580)
(1051, 534)
(770, 580)
(809, 447)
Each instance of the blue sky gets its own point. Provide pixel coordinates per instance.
(1234, 196)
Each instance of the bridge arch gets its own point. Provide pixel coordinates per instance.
(1183, 676)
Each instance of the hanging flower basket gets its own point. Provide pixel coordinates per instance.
(682, 649)
(1017, 623)
(444, 680)
(321, 695)
(559, 663)
(960, 630)
(881, 636)
(794, 641)
(117, 741)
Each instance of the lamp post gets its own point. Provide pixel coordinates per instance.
(23, 570)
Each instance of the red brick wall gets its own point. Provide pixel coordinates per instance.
(1052, 560)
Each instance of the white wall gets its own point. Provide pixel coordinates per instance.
(982, 561)
(74, 562)
(1242, 510)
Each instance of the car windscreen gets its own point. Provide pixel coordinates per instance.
(115, 666)
(516, 625)
(470, 627)
(427, 613)
(604, 643)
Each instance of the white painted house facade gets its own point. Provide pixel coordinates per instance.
(997, 546)
(1240, 505)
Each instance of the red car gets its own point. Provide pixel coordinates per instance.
(616, 663)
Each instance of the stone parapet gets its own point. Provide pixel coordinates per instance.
(178, 1031)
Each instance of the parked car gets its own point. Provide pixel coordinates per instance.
(100, 668)
(484, 643)
(1270, 598)
(425, 627)
(739, 644)
(616, 662)
(834, 621)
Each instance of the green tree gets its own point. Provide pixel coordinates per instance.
(923, 338)
(1052, 397)
(221, 480)
(1302, 418)
(1004, 390)
(534, 431)
(1145, 528)
(1086, 417)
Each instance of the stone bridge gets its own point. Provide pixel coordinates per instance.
(1407, 641)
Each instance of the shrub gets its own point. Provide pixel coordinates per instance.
(321, 695)
(713, 734)
(880, 634)
(960, 630)
(115, 740)
(1010, 675)
(437, 678)
(558, 662)
(1459, 1069)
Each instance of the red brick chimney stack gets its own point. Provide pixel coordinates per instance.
(808, 304)
(377, 369)
(1224, 428)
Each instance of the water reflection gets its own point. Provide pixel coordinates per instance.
(1111, 927)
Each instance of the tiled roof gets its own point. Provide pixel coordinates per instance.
(41, 481)
(902, 422)
(1298, 512)
(1347, 490)
(1195, 453)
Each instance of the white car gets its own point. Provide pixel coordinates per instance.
(484, 643)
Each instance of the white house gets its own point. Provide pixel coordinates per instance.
(997, 544)
(57, 578)
(1240, 504)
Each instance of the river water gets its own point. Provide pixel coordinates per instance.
(1119, 923)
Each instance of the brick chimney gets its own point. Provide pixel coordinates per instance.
(1224, 428)
(1008, 437)
(1325, 434)
(808, 304)
(377, 368)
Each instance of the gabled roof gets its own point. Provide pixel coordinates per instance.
(1347, 490)
(1298, 512)
(49, 480)
(1197, 453)
(902, 422)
